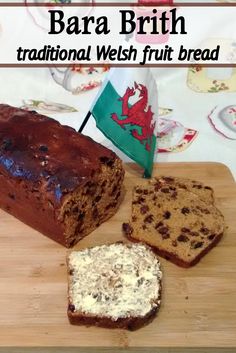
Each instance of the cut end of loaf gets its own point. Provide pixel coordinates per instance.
(89, 206)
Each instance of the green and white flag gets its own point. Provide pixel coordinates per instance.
(126, 110)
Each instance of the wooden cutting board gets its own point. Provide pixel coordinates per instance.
(199, 304)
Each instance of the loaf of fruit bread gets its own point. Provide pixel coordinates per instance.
(54, 179)
(114, 286)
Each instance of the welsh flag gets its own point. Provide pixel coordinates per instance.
(125, 110)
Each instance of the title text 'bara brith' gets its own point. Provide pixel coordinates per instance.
(162, 22)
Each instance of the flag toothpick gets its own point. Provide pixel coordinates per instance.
(85, 121)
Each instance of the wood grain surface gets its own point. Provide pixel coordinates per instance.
(198, 307)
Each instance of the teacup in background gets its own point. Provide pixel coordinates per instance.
(147, 11)
(40, 14)
(223, 120)
(79, 79)
(228, 116)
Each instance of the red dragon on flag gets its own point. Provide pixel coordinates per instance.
(137, 114)
(126, 109)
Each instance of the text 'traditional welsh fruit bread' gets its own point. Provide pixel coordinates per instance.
(114, 286)
(56, 180)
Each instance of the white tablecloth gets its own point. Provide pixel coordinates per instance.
(189, 108)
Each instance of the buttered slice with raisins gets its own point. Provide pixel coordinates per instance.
(175, 221)
(114, 286)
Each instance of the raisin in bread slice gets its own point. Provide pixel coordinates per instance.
(114, 286)
(205, 192)
(178, 223)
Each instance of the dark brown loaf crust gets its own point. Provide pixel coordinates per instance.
(54, 179)
(130, 323)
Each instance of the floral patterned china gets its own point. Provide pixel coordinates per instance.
(79, 79)
(223, 120)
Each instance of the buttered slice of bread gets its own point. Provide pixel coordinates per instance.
(114, 286)
(205, 192)
(176, 222)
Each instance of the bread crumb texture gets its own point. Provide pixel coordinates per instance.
(177, 217)
(115, 281)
